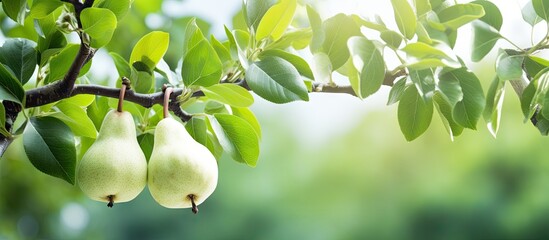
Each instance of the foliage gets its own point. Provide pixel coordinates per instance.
(213, 78)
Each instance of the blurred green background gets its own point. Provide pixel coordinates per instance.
(333, 168)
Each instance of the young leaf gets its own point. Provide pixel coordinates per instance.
(541, 7)
(316, 26)
(458, 15)
(422, 50)
(223, 52)
(75, 117)
(276, 20)
(414, 114)
(42, 8)
(49, 145)
(529, 14)
(494, 104)
(367, 59)
(422, 7)
(301, 65)
(404, 17)
(485, 38)
(249, 116)
(20, 56)
(201, 66)
(392, 38)
(397, 91)
(276, 80)
(255, 10)
(237, 137)
(10, 87)
(445, 111)
(339, 29)
(15, 9)
(122, 66)
(509, 67)
(231, 94)
(118, 7)
(99, 23)
(468, 111)
(150, 49)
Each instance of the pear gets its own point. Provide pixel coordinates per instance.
(114, 169)
(182, 172)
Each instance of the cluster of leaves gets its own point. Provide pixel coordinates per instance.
(215, 76)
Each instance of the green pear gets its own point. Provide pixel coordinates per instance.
(182, 172)
(114, 169)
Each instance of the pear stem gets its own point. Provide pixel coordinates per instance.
(167, 92)
(125, 85)
(111, 201)
(195, 208)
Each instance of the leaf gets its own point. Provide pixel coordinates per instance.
(534, 65)
(255, 9)
(529, 14)
(422, 7)
(97, 111)
(197, 128)
(450, 90)
(339, 29)
(146, 142)
(201, 66)
(150, 49)
(468, 111)
(61, 63)
(276, 80)
(424, 82)
(422, 50)
(318, 31)
(301, 65)
(367, 59)
(20, 56)
(249, 116)
(223, 52)
(509, 67)
(237, 137)
(82, 100)
(276, 20)
(15, 9)
(122, 66)
(414, 114)
(492, 14)
(445, 111)
(404, 17)
(213, 107)
(541, 7)
(49, 145)
(297, 38)
(99, 23)
(322, 68)
(193, 36)
(42, 8)
(10, 87)
(494, 104)
(458, 15)
(3, 130)
(142, 81)
(392, 38)
(429, 63)
(485, 38)
(242, 41)
(231, 94)
(76, 118)
(119, 7)
(397, 91)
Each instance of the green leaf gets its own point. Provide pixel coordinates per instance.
(15, 9)
(255, 9)
(49, 145)
(429, 63)
(397, 91)
(423, 50)
(122, 66)
(201, 66)
(405, 18)
(509, 67)
(529, 14)
(197, 128)
(276, 20)
(249, 116)
(3, 130)
(119, 7)
(231, 94)
(392, 38)
(193, 36)
(237, 137)
(213, 107)
(150, 49)
(450, 90)
(492, 14)
(82, 100)
(61, 63)
(99, 23)
(414, 114)
(468, 111)
(377, 24)
(301, 65)
(541, 7)
(223, 52)
(276, 80)
(424, 81)
(50, 36)
(42, 8)
(76, 118)
(485, 38)
(339, 29)
(146, 142)
(322, 68)
(458, 15)
(20, 56)
(494, 104)
(141, 81)
(445, 111)
(242, 41)
(318, 31)
(97, 111)
(422, 7)
(534, 65)
(367, 59)
(10, 87)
